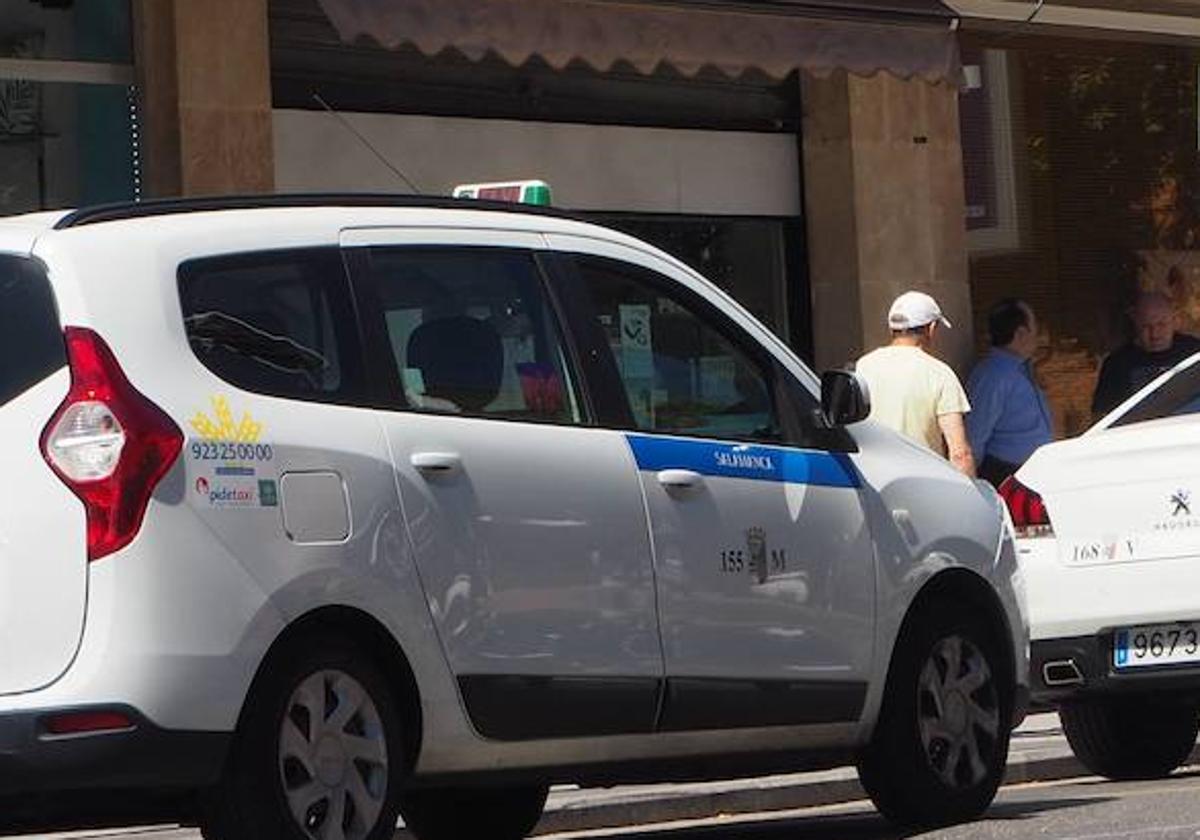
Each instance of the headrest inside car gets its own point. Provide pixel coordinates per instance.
(461, 360)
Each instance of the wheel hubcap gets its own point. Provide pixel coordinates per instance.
(958, 712)
(333, 760)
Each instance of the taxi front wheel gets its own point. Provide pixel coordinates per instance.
(318, 752)
(941, 742)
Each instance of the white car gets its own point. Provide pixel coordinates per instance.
(1108, 535)
(322, 509)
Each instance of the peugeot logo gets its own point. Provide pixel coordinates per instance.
(1180, 500)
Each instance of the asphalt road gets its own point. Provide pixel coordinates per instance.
(1083, 809)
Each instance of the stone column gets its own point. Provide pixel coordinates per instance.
(204, 74)
(885, 209)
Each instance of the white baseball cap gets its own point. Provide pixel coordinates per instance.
(914, 309)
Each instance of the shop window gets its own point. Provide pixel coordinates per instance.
(989, 164)
(745, 257)
(72, 30)
(68, 127)
(1083, 188)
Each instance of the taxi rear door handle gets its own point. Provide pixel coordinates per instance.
(435, 463)
(680, 479)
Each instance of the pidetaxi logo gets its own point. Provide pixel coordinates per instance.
(231, 496)
(220, 495)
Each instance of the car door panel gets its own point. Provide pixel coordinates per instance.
(764, 563)
(535, 560)
(751, 605)
(528, 526)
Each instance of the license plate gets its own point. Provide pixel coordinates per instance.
(1159, 644)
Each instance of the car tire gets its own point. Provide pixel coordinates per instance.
(320, 739)
(499, 813)
(1130, 738)
(940, 745)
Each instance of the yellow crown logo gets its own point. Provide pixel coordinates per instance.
(223, 428)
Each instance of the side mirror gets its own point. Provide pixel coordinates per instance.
(845, 398)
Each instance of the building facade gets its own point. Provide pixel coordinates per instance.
(68, 117)
(814, 158)
(1079, 129)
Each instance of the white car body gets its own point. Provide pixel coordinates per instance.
(571, 560)
(1122, 552)
(1120, 555)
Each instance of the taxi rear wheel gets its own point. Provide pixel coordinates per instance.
(1130, 738)
(941, 742)
(318, 753)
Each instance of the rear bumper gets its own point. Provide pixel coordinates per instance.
(1092, 656)
(1069, 600)
(144, 756)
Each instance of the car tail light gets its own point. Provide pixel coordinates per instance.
(1026, 508)
(108, 443)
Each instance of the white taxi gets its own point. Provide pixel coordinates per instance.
(321, 509)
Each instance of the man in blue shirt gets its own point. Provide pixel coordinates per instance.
(1009, 415)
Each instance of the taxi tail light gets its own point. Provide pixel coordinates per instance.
(108, 443)
(1027, 509)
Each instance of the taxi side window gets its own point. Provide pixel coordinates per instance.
(470, 331)
(275, 322)
(680, 373)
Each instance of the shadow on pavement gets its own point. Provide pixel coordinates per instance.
(1191, 774)
(1025, 810)
(865, 825)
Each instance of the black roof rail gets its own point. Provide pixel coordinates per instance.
(170, 206)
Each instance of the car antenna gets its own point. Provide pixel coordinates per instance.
(1022, 24)
(367, 143)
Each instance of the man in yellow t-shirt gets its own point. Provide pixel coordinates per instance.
(913, 392)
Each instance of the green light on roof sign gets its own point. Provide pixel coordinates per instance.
(517, 192)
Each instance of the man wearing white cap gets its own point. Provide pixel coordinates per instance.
(913, 392)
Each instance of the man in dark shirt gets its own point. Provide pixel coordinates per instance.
(1155, 348)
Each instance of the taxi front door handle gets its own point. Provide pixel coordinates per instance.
(680, 479)
(435, 463)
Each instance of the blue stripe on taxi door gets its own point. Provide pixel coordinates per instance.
(744, 460)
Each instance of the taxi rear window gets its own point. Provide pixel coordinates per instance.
(31, 340)
(279, 323)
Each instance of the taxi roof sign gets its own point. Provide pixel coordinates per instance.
(519, 192)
